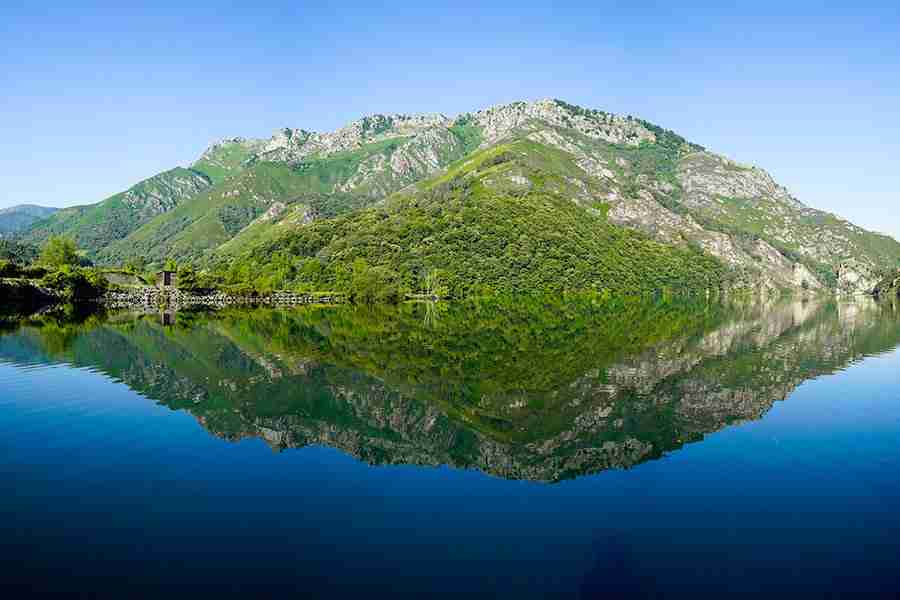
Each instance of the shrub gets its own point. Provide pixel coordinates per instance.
(374, 284)
(76, 284)
(60, 252)
(8, 269)
(187, 279)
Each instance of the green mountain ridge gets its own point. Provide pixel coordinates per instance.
(95, 226)
(591, 174)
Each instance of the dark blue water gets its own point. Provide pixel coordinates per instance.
(109, 489)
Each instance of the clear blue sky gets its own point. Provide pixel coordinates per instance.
(96, 96)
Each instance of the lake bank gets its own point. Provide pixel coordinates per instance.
(152, 297)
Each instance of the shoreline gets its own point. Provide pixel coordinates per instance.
(164, 297)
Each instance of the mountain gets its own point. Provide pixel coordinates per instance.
(529, 193)
(590, 167)
(326, 174)
(517, 217)
(95, 226)
(17, 218)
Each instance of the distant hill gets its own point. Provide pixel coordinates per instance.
(524, 194)
(17, 218)
(95, 226)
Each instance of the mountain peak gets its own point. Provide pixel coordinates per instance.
(502, 120)
(567, 161)
(291, 145)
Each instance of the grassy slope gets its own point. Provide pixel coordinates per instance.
(501, 220)
(215, 217)
(210, 218)
(96, 226)
(225, 160)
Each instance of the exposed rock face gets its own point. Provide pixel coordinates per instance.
(426, 143)
(418, 156)
(663, 210)
(498, 122)
(729, 194)
(164, 192)
(857, 276)
(292, 145)
(707, 177)
(735, 212)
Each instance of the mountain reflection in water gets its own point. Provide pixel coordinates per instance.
(537, 389)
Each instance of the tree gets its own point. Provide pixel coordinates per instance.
(374, 284)
(60, 252)
(187, 278)
(136, 264)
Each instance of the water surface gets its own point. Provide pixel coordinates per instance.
(553, 448)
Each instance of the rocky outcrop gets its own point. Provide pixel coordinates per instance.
(742, 199)
(499, 122)
(293, 145)
(164, 192)
(888, 287)
(857, 276)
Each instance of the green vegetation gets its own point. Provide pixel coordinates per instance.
(97, 226)
(203, 223)
(18, 252)
(889, 286)
(468, 134)
(59, 252)
(226, 160)
(223, 217)
(485, 233)
(211, 219)
(530, 214)
(76, 284)
(670, 141)
(322, 174)
(57, 270)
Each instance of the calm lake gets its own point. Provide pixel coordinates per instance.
(564, 448)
